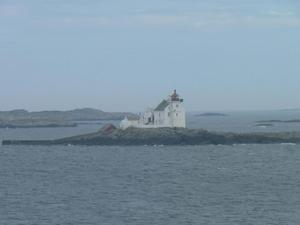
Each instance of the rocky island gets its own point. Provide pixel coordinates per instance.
(163, 125)
(110, 135)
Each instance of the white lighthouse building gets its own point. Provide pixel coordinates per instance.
(169, 113)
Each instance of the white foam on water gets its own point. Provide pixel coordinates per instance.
(288, 144)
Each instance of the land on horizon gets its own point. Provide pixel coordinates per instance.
(24, 119)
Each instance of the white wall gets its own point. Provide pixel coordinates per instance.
(178, 114)
(159, 117)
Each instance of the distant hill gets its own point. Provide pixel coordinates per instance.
(24, 119)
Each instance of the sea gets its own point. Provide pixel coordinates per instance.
(153, 185)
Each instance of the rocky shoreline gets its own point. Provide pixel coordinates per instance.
(110, 135)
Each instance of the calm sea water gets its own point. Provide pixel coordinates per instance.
(226, 185)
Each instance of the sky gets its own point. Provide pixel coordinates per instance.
(119, 55)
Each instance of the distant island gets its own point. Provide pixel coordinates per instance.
(29, 123)
(279, 121)
(264, 125)
(110, 135)
(212, 114)
(25, 119)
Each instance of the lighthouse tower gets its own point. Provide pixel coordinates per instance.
(176, 111)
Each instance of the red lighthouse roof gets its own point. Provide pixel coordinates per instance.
(175, 96)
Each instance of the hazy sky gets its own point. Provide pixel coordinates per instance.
(125, 55)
